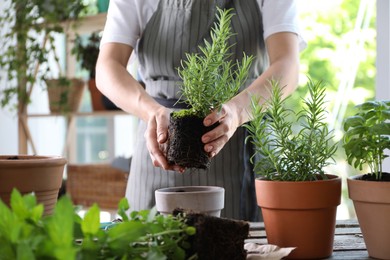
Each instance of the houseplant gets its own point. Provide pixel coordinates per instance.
(298, 199)
(27, 42)
(209, 80)
(367, 136)
(88, 52)
(26, 234)
(29, 173)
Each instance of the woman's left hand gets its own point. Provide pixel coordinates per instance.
(216, 139)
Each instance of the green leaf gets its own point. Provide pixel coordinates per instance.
(380, 129)
(91, 223)
(353, 121)
(155, 255)
(24, 252)
(60, 224)
(369, 105)
(10, 224)
(179, 253)
(122, 208)
(355, 132)
(6, 250)
(120, 236)
(19, 204)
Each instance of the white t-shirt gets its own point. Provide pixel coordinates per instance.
(126, 19)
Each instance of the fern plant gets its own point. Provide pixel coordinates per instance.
(285, 154)
(209, 78)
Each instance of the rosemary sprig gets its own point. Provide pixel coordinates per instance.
(209, 78)
(284, 154)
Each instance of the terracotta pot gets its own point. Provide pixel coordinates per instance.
(29, 173)
(300, 214)
(371, 200)
(63, 97)
(200, 199)
(96, 96)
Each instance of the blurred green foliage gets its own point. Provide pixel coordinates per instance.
(328, 27)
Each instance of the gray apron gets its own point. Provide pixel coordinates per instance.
(178, 27)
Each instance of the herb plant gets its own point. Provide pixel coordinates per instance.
(209, 79)
(26, 234)
(286, 155)
(367, 136)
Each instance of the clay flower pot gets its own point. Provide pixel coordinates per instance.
(199, 199)
(96, 96)
(371, 200)
(300, 214)
(29, 173)
(65, 95)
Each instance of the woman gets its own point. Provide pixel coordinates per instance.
(160, 33)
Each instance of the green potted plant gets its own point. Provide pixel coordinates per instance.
(28, 42)
(26, 234)
(209, 80)
(298, 199)
(87, 52)
(366, 138)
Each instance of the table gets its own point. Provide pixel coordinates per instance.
(348, 241)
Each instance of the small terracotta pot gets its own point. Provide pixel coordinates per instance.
(300, 214)
(199, 199)
(96, 96)
(371, 200)
(29, 173)
(64, 98)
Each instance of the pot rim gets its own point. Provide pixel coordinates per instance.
(30, 160)
(190, 189)
(356, 178)
(332, 177)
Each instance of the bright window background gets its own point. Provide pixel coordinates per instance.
(341, 51)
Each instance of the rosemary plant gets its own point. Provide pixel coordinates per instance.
(209, 78)
(284, 154)
(367, 136)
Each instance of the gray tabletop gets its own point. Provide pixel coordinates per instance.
(348, 241)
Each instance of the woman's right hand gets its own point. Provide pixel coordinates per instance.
(156, 136)
(114, 81)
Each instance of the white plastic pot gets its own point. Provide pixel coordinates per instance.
(201, 199)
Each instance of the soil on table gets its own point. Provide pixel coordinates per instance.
(185, 146)
(217, 238)
(372, 177)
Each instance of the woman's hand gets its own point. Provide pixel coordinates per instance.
(156, 136)
(216, 139)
